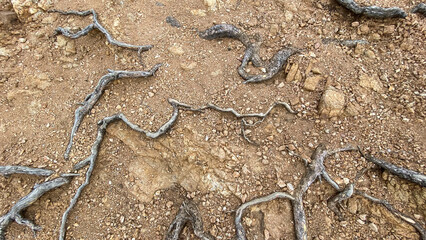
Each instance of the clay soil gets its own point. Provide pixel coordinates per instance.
(138, 183)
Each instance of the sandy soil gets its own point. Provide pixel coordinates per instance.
(138, 183)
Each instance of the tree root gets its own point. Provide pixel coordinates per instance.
(373, 11)
(95, 25)
(102, 126)
(401, 172)
(347, 43)
(93, 97)
(420, 8)
(238, 115)
(349, 190)
(272, 67)
(239, 229)
(38, 191)
(188, 212)
(314, 171)
(8, 170)
(395, 212)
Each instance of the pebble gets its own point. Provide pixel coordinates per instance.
(7, 17)
(389, 29)
(332, 102)
(373, 227)
(211, 4)
(288, 16)
(4, 52)
(364, 29)
(198, 12)
(177, 50)
(370, 54)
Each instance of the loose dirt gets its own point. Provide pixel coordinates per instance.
(138, 184)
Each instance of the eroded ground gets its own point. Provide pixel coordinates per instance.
(138, 184)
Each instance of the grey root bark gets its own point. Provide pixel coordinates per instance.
(95, 25)
(238, 115)
(420, 8)
(38, 191)
(372, 11)
(272, 67)
(91, 160)
(418, 226)
(8, 170)
(93, 97)
(188, 213)
(315, 170)
(401, 172)
(239, 228)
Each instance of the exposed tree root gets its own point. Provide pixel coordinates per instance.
(188, 212)
(96, 25)
(102, 126)
(38, 191)
(395, 212)
(314, 171)
(238, 115)
(347, 43)
(401, 172)
(349, 190)
(420, 8)
(8, 170)
(271, 68)
(239, 229)
(373, 11)
(93, 97)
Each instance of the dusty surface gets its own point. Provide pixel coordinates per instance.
(138, 184)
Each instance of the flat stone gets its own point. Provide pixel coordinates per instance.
(311, 83)
(370, 82)
(353, 109)
(61, 41)
(177, 50)
(291, 75)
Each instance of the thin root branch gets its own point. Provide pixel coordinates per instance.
(97, 25)
(188, 212)
(271, 68)
(38, 191)
(373, 11)
(8, 170)
(395, 212)
(241, 234)
(238, 115)
(93, 97)
(401, 172)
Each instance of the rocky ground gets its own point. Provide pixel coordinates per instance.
(372, 95)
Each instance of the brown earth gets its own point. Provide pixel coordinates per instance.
(138, 183)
